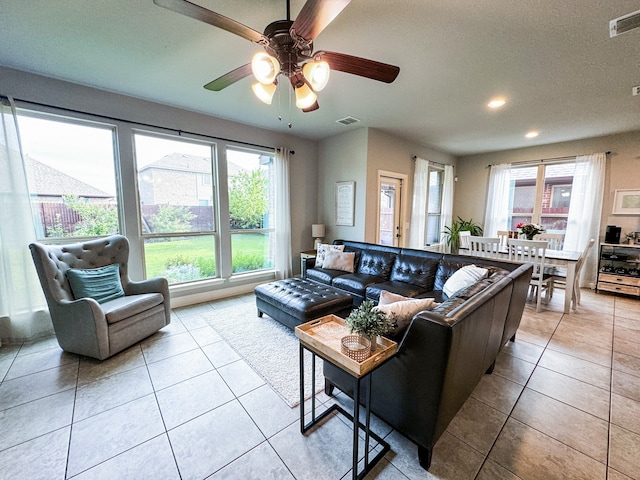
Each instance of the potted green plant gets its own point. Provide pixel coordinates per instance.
(452, 233)
(368, 322)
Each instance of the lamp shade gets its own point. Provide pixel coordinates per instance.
(317, 74)
(305, 96)
(264, 91)
(317, 230)
(265, 67)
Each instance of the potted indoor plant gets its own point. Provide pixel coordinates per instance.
(453, 232)
(530, 230)
(368, 321)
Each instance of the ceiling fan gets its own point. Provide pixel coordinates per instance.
(288, 51)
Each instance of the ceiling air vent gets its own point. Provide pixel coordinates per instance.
(624, 24)
(347, 120)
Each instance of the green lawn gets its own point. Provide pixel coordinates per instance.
(250, 252)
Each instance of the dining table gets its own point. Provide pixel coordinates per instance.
(566, 259)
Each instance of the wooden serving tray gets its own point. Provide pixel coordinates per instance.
(323, 336)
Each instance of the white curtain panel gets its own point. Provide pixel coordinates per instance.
(419, 204)
(496, 216)
(23, 311)
(283, 260)
(584, 212)
(446, 212)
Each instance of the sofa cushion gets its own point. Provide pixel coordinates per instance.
(419, 271)
(322, 275)
(321, 253)
(102, 284)
(343, 261)
(405, 289)
(125, 307)
(447, 267)
(376, 263)
(355, 283)
(463, 278)
(401, 312)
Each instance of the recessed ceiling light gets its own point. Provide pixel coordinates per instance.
(532, 134)
(496, 103)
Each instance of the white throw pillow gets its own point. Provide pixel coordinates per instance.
(463, 278)
(389, 297)
(323, 248)
(339, 261)
(400, 313)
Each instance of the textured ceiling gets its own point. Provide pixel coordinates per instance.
(552, 60)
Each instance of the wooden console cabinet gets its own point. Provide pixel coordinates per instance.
(619, 269)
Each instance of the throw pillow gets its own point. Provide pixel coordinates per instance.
(400, 313)
(102, 284)
(339, 261)
(462, 278)
(323, 248)
(389, 297)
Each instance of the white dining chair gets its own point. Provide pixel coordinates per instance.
(464, 238)
(555, 241)
(533, 251)
(503, 235)
(484, 246)
(559, 275)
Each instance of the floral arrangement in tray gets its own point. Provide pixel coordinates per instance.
(530, 229)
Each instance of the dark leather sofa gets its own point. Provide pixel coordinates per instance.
(444, 352)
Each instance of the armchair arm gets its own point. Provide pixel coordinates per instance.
(81, 327)
(151, 285)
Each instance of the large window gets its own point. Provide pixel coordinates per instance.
(176, 207)
(251, 190)
(70, 168)
(542, 194)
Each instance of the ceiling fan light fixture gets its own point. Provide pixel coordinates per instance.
(317, 74)
(265, 67)
(305, 97)
(264, 92)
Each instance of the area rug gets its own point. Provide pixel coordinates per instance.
(269, 347)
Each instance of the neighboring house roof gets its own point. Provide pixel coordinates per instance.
(189, 163)
(46, 180)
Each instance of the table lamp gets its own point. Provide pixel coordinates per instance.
(317, 231)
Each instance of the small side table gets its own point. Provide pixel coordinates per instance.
(303, 261)
(322, 337)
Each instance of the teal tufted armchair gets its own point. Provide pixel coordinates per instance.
(84, 326)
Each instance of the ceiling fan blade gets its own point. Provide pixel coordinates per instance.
(184, 7)
(342, 62)
(315, 16)
(229, 78)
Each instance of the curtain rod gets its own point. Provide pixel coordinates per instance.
(437, 163)
(549, 160)
(117, 119)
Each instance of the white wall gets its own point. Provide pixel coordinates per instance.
(623, 172)
(303, 167)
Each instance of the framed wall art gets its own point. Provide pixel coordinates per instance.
(626, 202)
(345, 203)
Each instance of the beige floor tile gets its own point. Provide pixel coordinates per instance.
(573, 392)
(497, 392)
(630, 321)
(573, 427)
(628, 334)
(626, 385)
(586, 333)
(615, 475)
(623, 452)
(534, 336)
(627, 347)
(477, 424)
(532, 455)
(492, 471)
(513, 368)
(585, 351)
(523, 350)
(626, 363)
(577, 368)
(625, 412)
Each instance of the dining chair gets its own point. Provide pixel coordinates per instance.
(503, 235)
(484, 246)
(555, 241)
(464, 235)
(559, 275)
(533, 251)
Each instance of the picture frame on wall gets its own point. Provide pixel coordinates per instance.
(626, 202)
(345, 203)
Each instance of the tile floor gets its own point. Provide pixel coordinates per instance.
(563, 402)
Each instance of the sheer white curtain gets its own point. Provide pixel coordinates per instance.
(23, 313)
(585, 210)
(283, 261)
(419, 204)
(446, 210)
(496, 215)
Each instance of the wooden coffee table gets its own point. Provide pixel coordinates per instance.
(322, 337)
